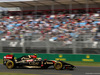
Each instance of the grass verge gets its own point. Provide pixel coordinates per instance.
(2, 73)
(1, 61)
(80, 63)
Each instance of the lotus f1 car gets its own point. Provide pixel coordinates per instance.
(29, 62)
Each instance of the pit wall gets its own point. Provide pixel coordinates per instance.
(63, 57)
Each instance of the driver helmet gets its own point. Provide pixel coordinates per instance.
(34, 56)
(39, 59)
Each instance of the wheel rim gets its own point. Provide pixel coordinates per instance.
(58, 66)
(10, 65)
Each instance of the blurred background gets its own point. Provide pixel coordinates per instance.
(67, 30)
(50, 26)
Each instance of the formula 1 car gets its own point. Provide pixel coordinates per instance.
(27, 62)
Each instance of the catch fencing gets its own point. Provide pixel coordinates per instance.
(31, 44)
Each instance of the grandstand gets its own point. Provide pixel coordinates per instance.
(51, 26)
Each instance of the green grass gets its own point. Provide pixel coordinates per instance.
(77, 63)
(2, 73)
(80, 63)
(1, 61)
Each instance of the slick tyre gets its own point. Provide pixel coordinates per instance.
(10, 64)
(58, 65)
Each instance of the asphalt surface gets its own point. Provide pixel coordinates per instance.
(78, 71)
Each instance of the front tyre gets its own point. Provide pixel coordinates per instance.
(10, 64)
(58, 65)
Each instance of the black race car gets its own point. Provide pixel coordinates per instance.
(28, 62)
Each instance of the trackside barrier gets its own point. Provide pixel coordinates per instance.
(63, 57)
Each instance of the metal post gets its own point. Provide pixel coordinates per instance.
(70, 7)
(23, 44)
(36, 11)
(1, 12)
(47, 44)
(21, 12)
(52, 8)
(1, 48)
(24, 50)
(74, 46)
(87, 6)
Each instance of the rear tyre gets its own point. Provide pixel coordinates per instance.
(10, 64)
(58, 66)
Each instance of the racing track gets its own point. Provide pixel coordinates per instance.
(51, 71)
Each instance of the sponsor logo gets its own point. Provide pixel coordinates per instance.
(7, 57)
(60, 58)
(33, 66)
(14, 44)
(49, 62)
(88, 58)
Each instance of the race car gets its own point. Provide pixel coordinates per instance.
(30, 61)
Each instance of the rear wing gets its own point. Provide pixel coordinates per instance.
(8, 57)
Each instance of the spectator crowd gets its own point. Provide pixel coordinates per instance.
(61, 27)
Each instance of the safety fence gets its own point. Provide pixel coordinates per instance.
(31, 44)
